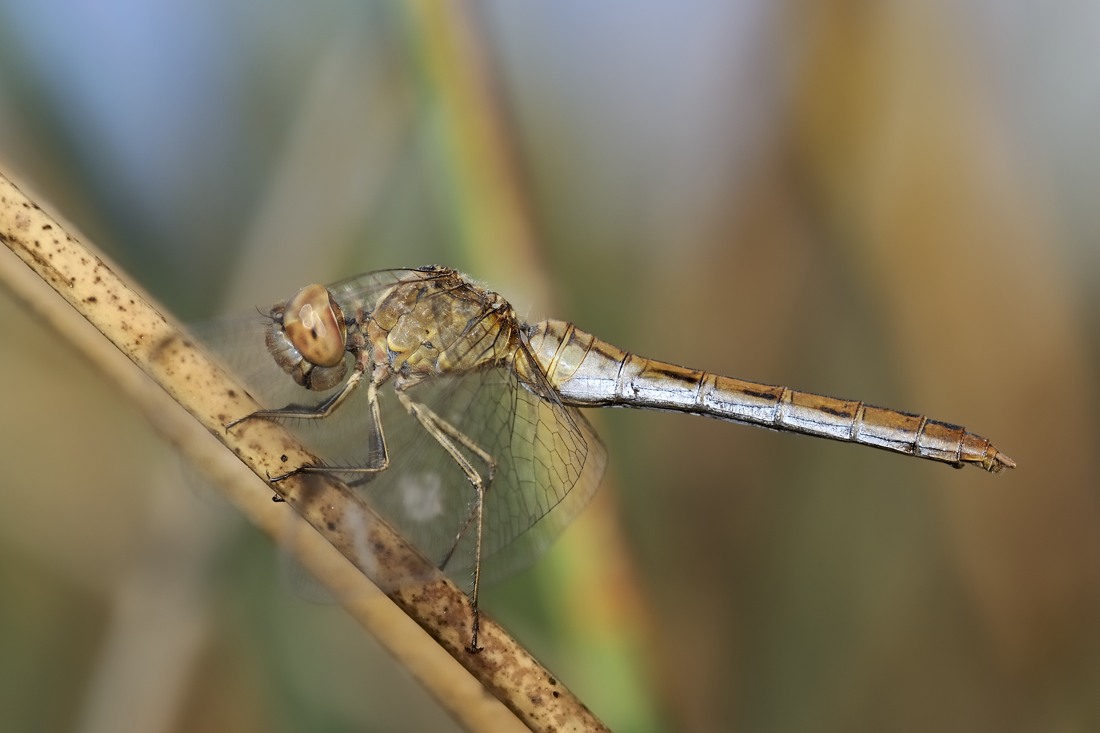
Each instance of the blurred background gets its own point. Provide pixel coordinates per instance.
(893, 202)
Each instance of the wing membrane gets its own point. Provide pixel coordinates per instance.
(549, 461)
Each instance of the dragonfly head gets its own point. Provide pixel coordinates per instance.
(308, 338)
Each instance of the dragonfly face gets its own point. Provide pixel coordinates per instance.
(308, 337)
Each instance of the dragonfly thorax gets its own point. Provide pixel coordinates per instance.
(441, 325)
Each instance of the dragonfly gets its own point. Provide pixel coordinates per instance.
(461, 423)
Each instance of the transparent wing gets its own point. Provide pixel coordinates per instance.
(364, 291)
(548, 463)
(238, 342)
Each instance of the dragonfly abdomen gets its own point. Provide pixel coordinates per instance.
(590, 372)
(851, 421)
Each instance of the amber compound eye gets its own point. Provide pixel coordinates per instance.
(315, 326)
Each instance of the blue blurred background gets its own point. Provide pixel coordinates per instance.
(893, 202)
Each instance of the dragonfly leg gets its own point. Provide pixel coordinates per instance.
(450, 438)
(382, 463)
(307, 412)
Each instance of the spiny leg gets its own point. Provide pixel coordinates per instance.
(446, 435)
(382, 463)
(486, 458)
(320, 412)
(305, 412)
(491, 470)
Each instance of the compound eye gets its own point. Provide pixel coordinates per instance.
(314, 324)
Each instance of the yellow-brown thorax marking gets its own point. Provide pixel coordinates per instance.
(441, 325)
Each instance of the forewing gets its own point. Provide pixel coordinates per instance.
(548, 462)
(365, 291)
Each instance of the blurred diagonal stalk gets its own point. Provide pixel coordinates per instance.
(482, 176)
(490, 206)
(129, 320)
